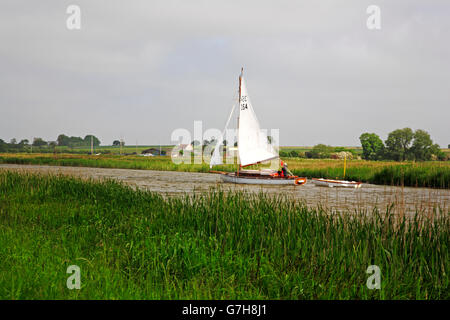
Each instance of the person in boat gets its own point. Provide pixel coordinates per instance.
(284, 172)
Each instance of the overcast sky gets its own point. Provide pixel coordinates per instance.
(140, 69)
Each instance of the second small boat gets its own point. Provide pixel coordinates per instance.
(336, 183)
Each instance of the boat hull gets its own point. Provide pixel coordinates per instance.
(336, 183)
(259, 180)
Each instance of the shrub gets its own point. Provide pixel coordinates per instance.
(293, 154)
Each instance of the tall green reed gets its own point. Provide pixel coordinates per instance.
(137, 244)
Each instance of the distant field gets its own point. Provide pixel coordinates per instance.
(138, 149)
(113, 149)
(434, 174)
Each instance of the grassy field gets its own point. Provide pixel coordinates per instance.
(435, 174)
(137, 245)
(105, 161)
(357, 150)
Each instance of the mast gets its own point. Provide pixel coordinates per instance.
(240, 80)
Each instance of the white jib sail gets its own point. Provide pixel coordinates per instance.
(252, 144)
(217, 157)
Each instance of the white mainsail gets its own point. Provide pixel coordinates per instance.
(252, 142)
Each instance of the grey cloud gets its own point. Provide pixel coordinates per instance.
(141, 69)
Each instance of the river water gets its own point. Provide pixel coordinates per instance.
(406, 200)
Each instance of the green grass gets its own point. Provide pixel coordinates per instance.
(137, 245)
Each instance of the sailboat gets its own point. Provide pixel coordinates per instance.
(253, 148)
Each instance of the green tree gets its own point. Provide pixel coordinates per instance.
(76, 142)
(422, 147)
(116, 143)
(293, 154)
(39, 142)
(3, 146)
(63, 140)
(398, 144)
(320, 151)
(373, 146)
(87, 140)
(24, 142)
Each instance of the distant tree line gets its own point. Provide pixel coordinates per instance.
(320, 151)
(47, 146)
(13, 146)
(64, 140)
(400, 145)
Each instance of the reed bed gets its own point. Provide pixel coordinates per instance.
(134, 244)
